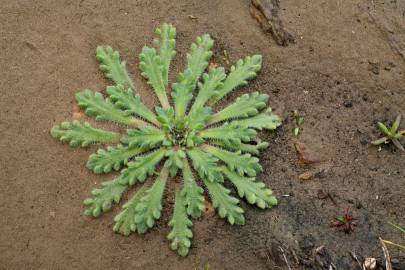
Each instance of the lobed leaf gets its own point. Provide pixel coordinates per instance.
(152, 69)
(197, 62)
(205, 164)
(112, 66)
(242, 163)
(198, 119)
(142, 167)
(180, 235)
(247, 105)
(112, 158)
(193, 194)
(125, 220)
(82, 134)
(265, 120)
(226, 205)
(254, 192)
(144, 137)
(104, 197)
(150, 206)
(243, 147)
(175, 161)
(131, 104)
(103, 109)
(212, 81)
(229, 134)
(166, 43)
(244, 70)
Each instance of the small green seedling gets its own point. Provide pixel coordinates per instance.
(392, 134)
(299, 120)
(183, 135)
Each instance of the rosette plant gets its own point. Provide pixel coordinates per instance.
(183, 137)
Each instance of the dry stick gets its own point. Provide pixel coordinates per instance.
(388, 265)
(354, 256)
(285, 258)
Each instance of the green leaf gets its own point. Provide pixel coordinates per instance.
(226, 205)
(175, 161)
(131, 104)
(242, 163)
(197, 119)
(206, 165)
(103, 109)
(229, 134)
(152, 69)
(144, 137)
(124, 221)
(246, 148)
(180, 235)
(247, 105)
(395, 125)
(78, 134)
(112, 158)
(193, 194)
(244, 70)
(150, 206)
(142, 167)
(112, 66)
(197, 62)
(254, 192)
(266, 120)
(380, 141)
(166, 43)
(104, 197)
(212, 81)
(384, 129)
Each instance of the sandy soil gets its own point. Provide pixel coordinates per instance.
(47, 54)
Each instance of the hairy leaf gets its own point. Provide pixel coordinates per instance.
(205, 164)
(78, 134)
(265, 120)
(193, 194)
(152, 68)
(244, 70)
(112, 158)
(166, 43)
(245, 106)
(242, 163)
(103, 109)
(142, 167)
(229, 134)
(246, 148)
(254, 192)
(197, 62)
(197, 119)
(125, 220)
(112, 66)
(130, 103)
(149, 208)
(175, 161)
(104, 197)
(212, 81)
(144, 137)
(180, 235)
(226, 205)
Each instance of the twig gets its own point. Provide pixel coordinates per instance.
(285, 258)
(388, 265)
(354, 256)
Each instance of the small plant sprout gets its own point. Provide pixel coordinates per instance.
(345, 223)
(392, 134)
(299, 120)
(179, 137)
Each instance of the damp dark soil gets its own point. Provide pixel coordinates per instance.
(345, 71)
